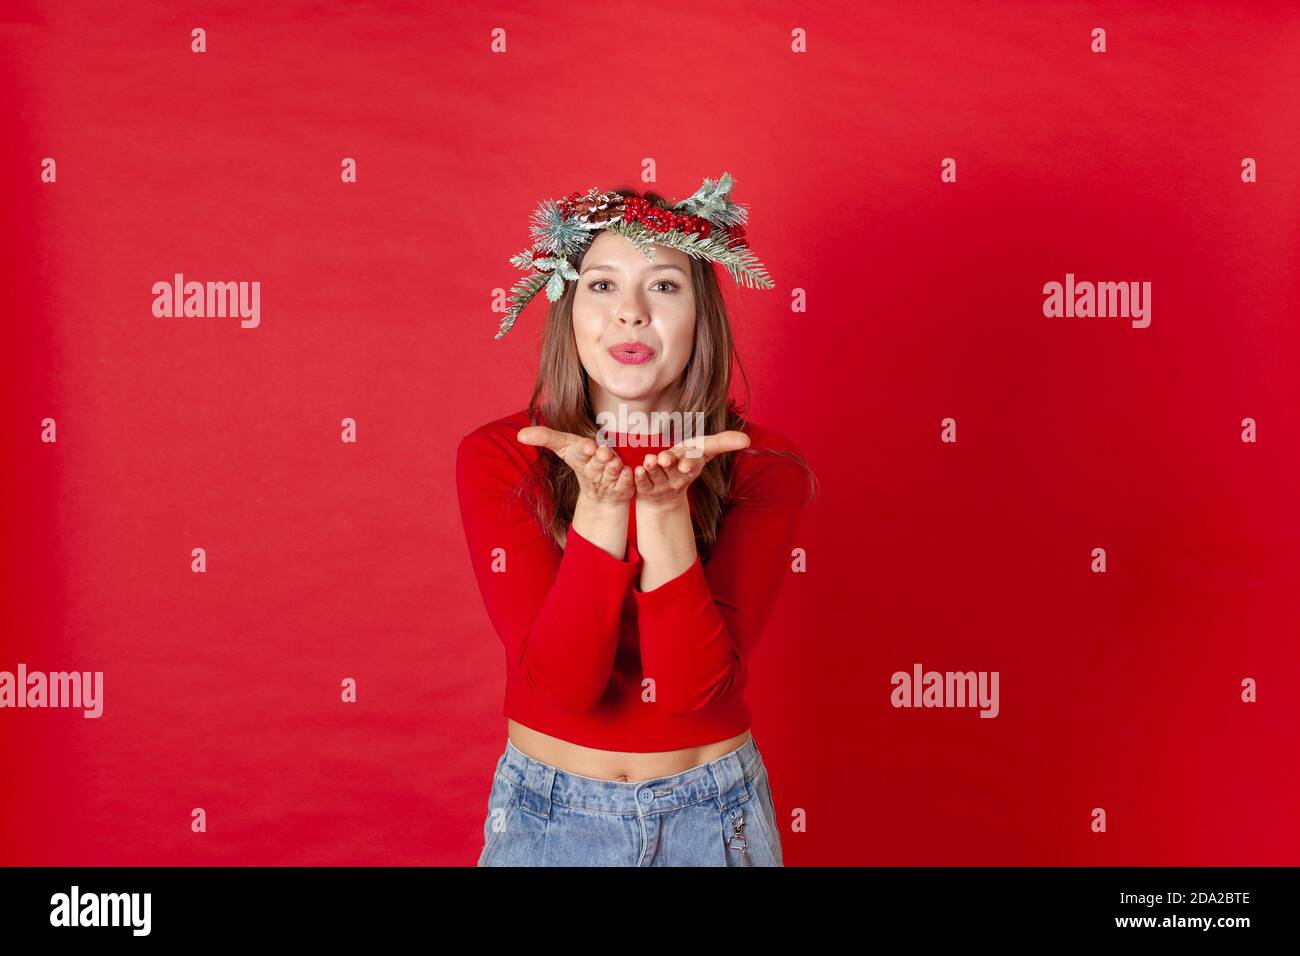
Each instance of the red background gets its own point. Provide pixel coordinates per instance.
(328, 560)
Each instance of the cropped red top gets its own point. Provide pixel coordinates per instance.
(579, 633)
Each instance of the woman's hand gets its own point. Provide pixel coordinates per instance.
(603, 479)
(663, 479)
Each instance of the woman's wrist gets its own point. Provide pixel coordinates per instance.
(603, 523)
(665, 539)
(602, 508)
(675, 505)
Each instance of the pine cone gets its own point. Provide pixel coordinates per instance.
(594, 209)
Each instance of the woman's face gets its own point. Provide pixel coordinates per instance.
(624, 300)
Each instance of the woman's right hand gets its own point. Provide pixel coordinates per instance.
(603, 478)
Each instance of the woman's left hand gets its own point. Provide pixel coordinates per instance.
(663, 479)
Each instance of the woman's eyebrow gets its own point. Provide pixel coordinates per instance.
(612, 268)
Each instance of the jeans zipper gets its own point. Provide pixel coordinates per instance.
(738, 821)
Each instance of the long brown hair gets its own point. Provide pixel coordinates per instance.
(561, 399)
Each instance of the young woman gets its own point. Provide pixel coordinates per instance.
(629, 569)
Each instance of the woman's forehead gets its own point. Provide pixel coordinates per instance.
(622, 255)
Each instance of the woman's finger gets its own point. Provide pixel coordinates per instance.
(655, 472)
(542, 437)
(625, 481)
(581, 455)
(710, 446)
(611, 470)
(562, 443)
(689, 466)
(593, 467)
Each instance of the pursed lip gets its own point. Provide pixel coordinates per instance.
(631, 353)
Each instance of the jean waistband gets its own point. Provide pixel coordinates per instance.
(723, 780)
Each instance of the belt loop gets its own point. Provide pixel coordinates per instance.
(729, 775)
(753, 757)
(538, 780)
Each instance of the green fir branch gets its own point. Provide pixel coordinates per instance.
(524, 260)
(750, 270)
(520, 296)
(555, 233)
(712, 201)
(740, 261)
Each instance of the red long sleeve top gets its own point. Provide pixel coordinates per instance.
(579, 634)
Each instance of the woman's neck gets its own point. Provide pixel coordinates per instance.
(638, 417)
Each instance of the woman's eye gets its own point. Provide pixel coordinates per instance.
(672, 286)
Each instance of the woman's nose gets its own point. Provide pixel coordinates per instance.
(636, 321)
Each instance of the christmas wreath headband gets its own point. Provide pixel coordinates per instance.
(708, 225)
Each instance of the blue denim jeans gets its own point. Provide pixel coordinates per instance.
(719, 813)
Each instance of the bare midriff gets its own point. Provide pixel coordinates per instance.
(614, 764)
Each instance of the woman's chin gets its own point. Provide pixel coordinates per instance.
(638, 379)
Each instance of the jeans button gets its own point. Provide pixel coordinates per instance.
(646, 795)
